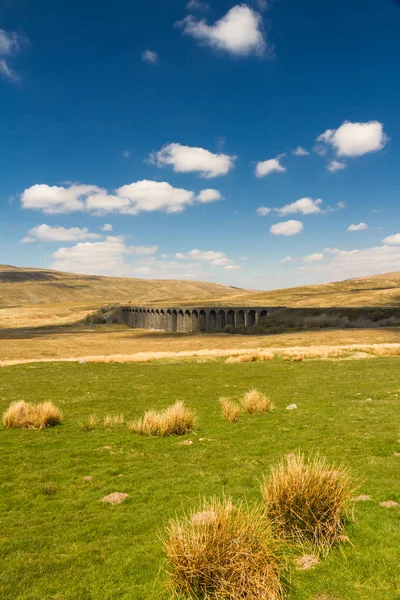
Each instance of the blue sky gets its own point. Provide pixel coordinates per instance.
(221, 141)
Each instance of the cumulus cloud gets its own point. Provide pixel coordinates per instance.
(107, 257)
(305, 206)
(313, 257)
(10, 45)
(263, 211)
(209, 195)
(289, 259)
(239, 32)
(345, 264)
(46, 233)
(266, 167)
(336, 165)
(187, 159)
(355, 139)
(94, 258)
(141, 196)
(299, 151)
(149, 56)
(214, 258)
(287, 228)
(107, 227)
(358, 227)
(392, 240)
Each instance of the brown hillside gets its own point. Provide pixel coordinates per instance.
(24, 286)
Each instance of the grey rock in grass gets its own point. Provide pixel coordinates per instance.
(389, 504)
(291, 407)
(362, 498)
(115, 498)
(308, 561)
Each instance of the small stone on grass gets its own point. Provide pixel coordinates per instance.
(87, 478)
(291, 407)
(362, 498)
(185, 443)
(389, 504)
(115, 498)
(308, 561)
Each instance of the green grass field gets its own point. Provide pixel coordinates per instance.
(58, 540)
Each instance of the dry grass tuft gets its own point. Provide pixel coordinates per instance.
(308, 500)
(254, 357)
(89, 423)
(174, 420)
(299, 354)
(256, 402)
(230, 410)
(223, 552)
(111, 420)
(24, 415)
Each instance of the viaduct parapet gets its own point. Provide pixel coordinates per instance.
(198, 319)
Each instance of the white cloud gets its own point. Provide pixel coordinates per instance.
(392, 240)
(299, 151)
(57, 199)
(149, 56)
(239, 32)
(187, 159)
(287, 228)
(355, 139)
(107, 227)
(336, 165)
(94, 258)
(313, 257)
(7, 72)
(289, 259)
(107, 257)
(263, 211)
(209, 195)
(358, 227)
(149, 196)
(232, 268)
(141, 196)
(345, 264)
(126, 154)
(10, 44)
(142, 250)
(266, 167)
(216, 259)
(305, 206)
(196, 5)
(46, 233)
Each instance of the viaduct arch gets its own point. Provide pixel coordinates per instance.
(191, 320)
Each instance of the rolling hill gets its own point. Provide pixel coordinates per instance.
(23, 287)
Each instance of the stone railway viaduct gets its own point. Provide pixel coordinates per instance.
(188, 320)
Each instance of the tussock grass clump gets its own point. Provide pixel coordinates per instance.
(308, 500)
(256, 402)
(174, 420)
(254, 357)
(24, 415)
(230, 410)
(111, 420)
(89, 423)
(223, 552)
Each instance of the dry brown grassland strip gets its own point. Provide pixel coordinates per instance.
(66, 342)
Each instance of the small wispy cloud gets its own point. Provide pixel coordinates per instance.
(151, 57)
